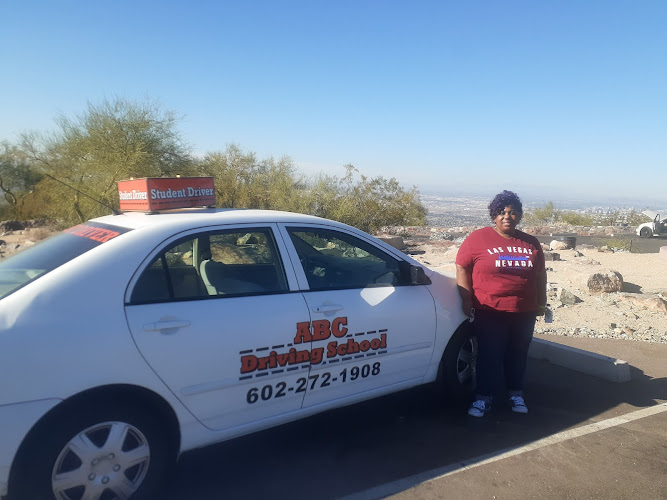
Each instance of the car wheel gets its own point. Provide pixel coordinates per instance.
(94, 452)
(645, 232)
(457, 368)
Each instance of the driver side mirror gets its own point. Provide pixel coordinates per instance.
(418, 276)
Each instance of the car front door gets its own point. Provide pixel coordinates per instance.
(213, 315)
(371, 331)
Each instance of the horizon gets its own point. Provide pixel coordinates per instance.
(554, 101)
(561, 202)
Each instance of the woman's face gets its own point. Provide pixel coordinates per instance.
(507, 220)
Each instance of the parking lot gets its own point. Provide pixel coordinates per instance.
(583, 438)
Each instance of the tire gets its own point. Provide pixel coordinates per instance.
(108, 450)
(645, 232)
(456, 376)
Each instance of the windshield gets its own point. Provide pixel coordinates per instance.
(22, 268)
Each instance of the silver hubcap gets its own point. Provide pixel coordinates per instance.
(465, 363)
(106, 461)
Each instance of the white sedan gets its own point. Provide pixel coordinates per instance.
(132, 338)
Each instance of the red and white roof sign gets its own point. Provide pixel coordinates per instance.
(163, 193)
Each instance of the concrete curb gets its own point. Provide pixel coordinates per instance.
(604, 367)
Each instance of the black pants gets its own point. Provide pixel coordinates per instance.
(503, 339)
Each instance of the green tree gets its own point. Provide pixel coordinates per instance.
(18, 178)
(244, 182)
(114, 140)
(367, 204)
(635, 218)
(542, 215)
(577, 219)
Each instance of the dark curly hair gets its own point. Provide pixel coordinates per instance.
(505, 199)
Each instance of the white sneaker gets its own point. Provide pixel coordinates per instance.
(518, 404)
(479, 408)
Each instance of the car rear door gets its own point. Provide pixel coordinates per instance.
(372, 331)
(213, 315)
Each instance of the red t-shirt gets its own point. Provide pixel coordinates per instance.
(504, 271)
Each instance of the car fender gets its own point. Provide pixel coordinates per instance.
(449, 315)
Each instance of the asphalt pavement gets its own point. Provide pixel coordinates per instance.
(584, 437)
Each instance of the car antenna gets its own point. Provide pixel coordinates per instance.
(113, 210)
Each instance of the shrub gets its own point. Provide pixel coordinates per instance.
(576, 219)
(617, 244)
(541, 215)
(367, 204)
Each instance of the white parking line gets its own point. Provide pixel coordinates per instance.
(435, 474)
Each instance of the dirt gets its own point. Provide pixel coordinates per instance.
(14, 241)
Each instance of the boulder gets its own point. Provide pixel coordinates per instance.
(441, 236)
(394, 241)
(609, 281)
(652, 303)
(12, 225)
(551, 256)
(567, 298)
(559, 245)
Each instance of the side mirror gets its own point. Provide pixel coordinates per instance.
(418, 277)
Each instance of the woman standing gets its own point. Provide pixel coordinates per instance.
(502, 279)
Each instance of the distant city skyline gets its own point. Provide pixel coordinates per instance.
(553, 100)
(479, 202)
(452, 211)
(560, 198)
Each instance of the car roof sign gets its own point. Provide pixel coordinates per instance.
(151, 194)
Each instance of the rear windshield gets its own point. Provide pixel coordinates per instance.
(26, 266)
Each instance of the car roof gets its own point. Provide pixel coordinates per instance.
(189, 217)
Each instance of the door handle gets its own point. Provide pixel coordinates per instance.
(328, 308)
(166, 326)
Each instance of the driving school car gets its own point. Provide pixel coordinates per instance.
(131, 338)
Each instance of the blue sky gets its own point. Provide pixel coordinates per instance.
(552, 98)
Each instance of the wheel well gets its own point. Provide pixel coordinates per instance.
(444, 381)
(137, 397)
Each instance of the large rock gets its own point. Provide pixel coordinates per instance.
(652, 303)
(609, 281)
(559, 245)
(566, 297)
(12, 225)
(394, 241)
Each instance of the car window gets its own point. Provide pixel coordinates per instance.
(333, 259)
(26, 266)
(225, 263)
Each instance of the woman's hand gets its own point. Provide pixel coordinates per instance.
(466, 305)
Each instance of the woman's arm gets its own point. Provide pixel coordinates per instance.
(542, 290)
(464, 282)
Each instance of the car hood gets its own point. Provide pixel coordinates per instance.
(650, 214)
